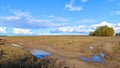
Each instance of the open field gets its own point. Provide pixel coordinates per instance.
(71, 48)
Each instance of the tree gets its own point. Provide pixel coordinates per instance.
(103, 31)
(91, 34)
(117, 34)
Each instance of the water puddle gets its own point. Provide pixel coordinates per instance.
(40, 53)
(102, 54)
(94, 58)
(37, 53)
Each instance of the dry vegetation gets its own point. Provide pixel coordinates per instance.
(66, 50)
(14, 57)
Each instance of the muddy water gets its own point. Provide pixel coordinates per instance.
(37, 53)
(94, 58)
(40, 53)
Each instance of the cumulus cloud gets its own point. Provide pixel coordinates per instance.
(117, 27)
(74, 29)
(21, 31)
(55, 18)
(87, 29)
(70, 6)
(103, 23)
(2, 29)
(25, 20)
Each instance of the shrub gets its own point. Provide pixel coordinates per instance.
(103, 31)
(117, 34)
(91, 34)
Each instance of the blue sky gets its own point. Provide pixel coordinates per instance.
(57, 17)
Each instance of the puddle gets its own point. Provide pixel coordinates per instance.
(40, 53)
(102, 54)
(94, 58)
(86, 59)
(37, 53)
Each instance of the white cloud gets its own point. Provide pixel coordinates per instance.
(21, 31)
(73, 8)
(76, 29)
(117, 27)
(103, 23)
(87, 29)
(55, 18)
(118, 24)
(25, 20)
(70, 6)
(66, 29)
(2, 29)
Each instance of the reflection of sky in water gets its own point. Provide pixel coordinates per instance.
(40, 53)
(35, 52)
(102, 54)
(94, 58)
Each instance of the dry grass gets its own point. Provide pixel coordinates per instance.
(70, 48)
(14, 57)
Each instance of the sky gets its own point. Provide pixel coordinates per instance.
(57, 17)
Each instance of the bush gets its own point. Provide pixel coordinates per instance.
(91, 34)
(117, 34)
(103, 31)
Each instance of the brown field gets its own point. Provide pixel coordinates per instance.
(70, 48)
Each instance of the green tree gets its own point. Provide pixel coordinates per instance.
(103, 31)
(91, 34)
